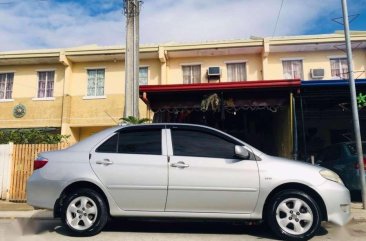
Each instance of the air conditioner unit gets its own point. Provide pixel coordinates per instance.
(317, 73)
(213, 71)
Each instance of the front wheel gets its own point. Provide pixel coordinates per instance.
(293, 215)
(84, 212)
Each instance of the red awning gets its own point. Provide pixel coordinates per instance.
(258, 84)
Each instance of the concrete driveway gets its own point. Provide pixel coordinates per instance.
(138, 230)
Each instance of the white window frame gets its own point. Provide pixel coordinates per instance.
(89, 97)
(342, 74)
(292, 68)
(148, 73)
(237, 62)
(53, 90)
(191, 72)
(6, 84)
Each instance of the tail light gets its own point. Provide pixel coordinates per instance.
(357, 165)
(39, 163)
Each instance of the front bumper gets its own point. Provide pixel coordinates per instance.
(337, 201)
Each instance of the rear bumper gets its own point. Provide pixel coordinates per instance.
(337, 201)
(41, 192)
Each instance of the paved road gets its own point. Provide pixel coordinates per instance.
(51, 230)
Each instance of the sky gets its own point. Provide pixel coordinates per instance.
(41, 24)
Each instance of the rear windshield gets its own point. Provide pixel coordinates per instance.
(353, 150)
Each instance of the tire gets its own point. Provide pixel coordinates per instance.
(293, 215)
(84, 212)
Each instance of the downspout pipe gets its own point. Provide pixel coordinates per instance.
(295, 136)
(303, 128)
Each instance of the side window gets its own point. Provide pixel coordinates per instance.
(140, 142)
(109, 146)
(201, 144)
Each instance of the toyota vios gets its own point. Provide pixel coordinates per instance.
(183, 171)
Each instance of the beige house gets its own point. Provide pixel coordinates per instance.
(79, 91)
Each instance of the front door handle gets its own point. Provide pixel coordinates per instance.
(179, 165)
(105, 162)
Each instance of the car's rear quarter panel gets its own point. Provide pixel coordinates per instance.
(63, 168)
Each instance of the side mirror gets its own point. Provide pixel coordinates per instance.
(241, 152)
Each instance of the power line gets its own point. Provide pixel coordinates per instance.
(278, 17)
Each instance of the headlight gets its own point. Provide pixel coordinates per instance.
(330, 175)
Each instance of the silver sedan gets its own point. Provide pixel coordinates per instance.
(183, 171)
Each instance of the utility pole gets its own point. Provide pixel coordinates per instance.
(356, 122)
(132, 11)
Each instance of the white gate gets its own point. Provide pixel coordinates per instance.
(5, 159)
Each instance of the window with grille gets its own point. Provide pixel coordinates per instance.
(292, 69)
(96, 82)
(339, 68)
(191, 74)
(6, 85)
(45, 84)
(236, 72)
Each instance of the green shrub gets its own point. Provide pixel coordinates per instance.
(30, 136)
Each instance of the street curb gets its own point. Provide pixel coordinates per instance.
(34, 214)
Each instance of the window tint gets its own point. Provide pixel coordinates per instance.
(140, 142)
(109, 146)
(201, 144)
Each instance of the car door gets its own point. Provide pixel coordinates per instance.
(132, 164)
(205, 175)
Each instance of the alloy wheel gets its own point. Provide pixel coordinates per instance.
(294, 216)
(81, 213)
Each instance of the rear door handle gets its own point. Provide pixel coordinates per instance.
(105, 162)
(179, 165)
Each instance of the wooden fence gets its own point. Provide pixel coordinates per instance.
(22, 167)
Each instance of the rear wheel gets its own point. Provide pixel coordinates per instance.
(84, 212)
(293, 215)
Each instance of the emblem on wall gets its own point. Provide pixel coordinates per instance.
(19, 111)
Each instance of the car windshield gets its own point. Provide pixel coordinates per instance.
(353, 150)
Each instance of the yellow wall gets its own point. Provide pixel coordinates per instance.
(175, 73)
(154, 70)
(313, 60)
(39, 113)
